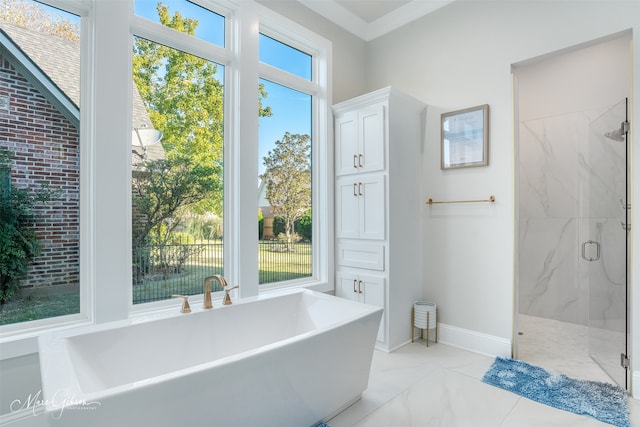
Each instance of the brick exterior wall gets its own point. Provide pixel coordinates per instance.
(46, 147)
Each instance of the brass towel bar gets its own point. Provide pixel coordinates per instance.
(491, 199)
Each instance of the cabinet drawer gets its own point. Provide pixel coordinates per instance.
(361, 255)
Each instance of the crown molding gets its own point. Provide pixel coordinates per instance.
(381, 26)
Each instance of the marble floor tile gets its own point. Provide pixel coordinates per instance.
(444, 398)
(558, 347)
(528, 413)
(441, 386)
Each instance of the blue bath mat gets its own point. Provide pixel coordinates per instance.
(602, 401)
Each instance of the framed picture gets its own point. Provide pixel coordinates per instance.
(464, 136)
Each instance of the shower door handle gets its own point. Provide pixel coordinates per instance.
(584, 251)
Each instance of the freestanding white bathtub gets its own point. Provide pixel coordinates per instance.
(292, 359)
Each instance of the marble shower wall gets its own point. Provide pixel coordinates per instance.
(571, 178)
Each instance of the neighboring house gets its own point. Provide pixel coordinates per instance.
(267, 211)
(40, 116)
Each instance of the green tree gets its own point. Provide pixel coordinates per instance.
(288, 179)
(185, 100)
(163, 192)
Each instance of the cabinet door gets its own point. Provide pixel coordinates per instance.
(371, 138)
(347, 286)
(347, 210)
(371, 195)
(372, 288)
(346, 143)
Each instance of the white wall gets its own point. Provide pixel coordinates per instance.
(598, 75)
(461, 56)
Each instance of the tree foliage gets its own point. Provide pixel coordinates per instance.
(19, 242)
(288, 179)
(185, 100)
(164, 191)
(31, 15)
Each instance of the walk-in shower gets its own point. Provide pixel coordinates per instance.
(573, 210)
(573, 226)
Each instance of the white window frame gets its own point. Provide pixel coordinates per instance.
(105, 213)
(291, 34)
(19, 338)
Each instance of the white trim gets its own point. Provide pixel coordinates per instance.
(339, 15)
(19, 339)
(174, 39)
(402, 16)
(477, 342)
(635, 379)
(288, 32)
(76, 7)
(283, 78)
(393, 20)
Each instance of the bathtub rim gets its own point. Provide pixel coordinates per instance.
(54, 356)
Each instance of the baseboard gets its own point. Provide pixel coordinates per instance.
(476, 342)
(635, 384)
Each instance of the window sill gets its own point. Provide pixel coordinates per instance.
(16, 340)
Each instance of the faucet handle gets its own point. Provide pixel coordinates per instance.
(227, 298)
(185, 304)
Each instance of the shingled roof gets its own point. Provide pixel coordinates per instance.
(58, 60)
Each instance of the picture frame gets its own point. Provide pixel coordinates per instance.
(464, 138)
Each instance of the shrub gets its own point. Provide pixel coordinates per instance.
(205, 228)
(303, 226)
(19, 242)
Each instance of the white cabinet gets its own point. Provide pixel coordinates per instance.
(360, 207)
(359, 140)
(379, 202)
(367, 289)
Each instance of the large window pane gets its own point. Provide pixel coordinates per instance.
(39, 163)
(285, 57)
(177, 167)
(184, 16)
(285, 237)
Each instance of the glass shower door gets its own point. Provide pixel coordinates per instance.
(604, 242)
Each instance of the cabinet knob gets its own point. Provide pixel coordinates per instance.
(359, 160)
(354, 286)
(359, 286)
(359, 189)
(355, 189)
(355, 159)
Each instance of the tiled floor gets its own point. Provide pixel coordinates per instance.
(440, 386)
(564, 347)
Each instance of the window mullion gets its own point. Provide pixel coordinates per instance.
(240, 195)
(283, 78)
(175, 39)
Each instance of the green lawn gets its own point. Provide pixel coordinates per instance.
(38, 306)
(275, 266)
